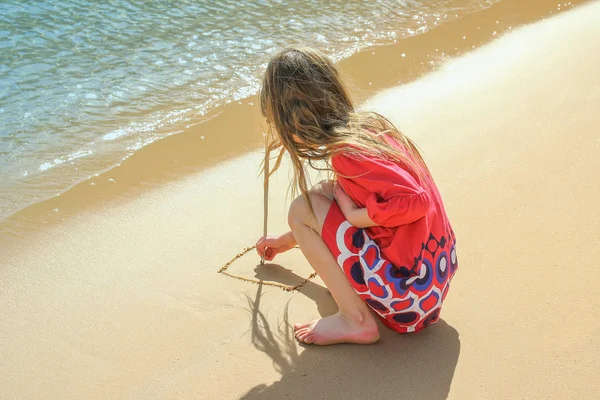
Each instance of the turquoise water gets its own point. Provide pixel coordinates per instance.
(84, 84)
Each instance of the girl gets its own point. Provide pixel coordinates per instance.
(378, 236)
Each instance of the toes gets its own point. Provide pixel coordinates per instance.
(300, 326)
(303, 334)
(309, 339)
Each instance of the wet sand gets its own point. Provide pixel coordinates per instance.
(235, 129)
(122, 299)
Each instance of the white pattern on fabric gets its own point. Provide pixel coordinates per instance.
(388, 301)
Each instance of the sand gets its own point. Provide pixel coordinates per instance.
(123, 299)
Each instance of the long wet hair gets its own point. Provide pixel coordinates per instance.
(306, 103)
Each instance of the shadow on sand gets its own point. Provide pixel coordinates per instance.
(419, 366)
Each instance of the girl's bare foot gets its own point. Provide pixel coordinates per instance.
(338, 329)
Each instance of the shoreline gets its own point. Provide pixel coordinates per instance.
(234, 129)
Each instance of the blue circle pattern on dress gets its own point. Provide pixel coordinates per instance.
(442, 267)
(427, 284)
(409, 298)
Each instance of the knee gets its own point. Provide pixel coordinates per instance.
(300, 210)
(325, 188)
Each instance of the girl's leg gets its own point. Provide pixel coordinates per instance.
(354, 322)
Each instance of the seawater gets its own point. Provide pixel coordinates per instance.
(84, 84)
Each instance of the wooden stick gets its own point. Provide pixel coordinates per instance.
(266, 193)
(223, 270)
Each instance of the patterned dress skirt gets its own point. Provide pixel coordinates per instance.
(406, 300)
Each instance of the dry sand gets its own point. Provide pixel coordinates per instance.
(124, 301)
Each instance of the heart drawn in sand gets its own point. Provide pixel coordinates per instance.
(287, 288)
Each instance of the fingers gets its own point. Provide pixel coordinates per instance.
(268, 247)
(261, 246)
(263, 250)
(338, 192)
(340, 196)
(269, 254)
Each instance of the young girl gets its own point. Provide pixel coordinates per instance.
(378, 236)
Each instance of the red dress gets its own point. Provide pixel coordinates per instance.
(403, 267)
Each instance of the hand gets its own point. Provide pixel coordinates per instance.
(347, 205)
(269, 246)
(359, 217)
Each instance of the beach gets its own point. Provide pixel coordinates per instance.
(111, 290)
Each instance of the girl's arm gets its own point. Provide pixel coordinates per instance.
(359, 217)
(289, 238)
(396, 197)
(269, 246)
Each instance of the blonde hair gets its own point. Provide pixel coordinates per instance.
(304, 99)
